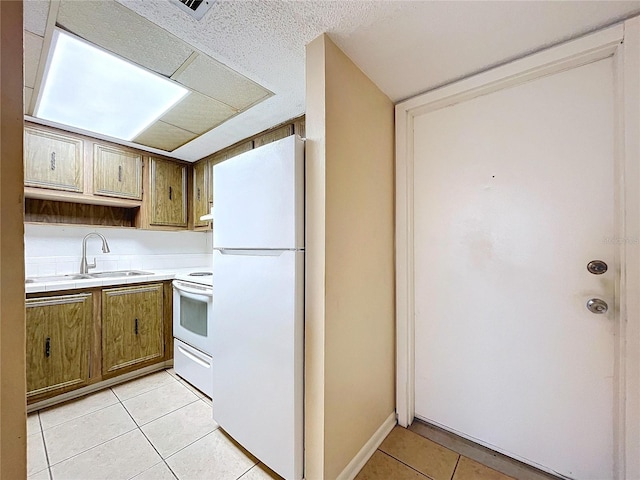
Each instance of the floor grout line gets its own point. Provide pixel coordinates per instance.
(79, 416)
(91, 448)
(453, 474)
(44, 444)
(146, 391)
(164, 460)
(248, 470)
(150, 443)
(186, 446)
(170, 469)
(406, 465)
(163, 415)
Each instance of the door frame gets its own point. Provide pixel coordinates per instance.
(622, 41)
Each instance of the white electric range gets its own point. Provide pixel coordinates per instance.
(192, 319)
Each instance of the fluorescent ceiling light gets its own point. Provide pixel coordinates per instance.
(88, 88)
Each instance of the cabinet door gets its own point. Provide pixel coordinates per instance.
(57, 331)
(168, 193)
(117, 172)
(52, 160)
(200, 193)
(132, 326)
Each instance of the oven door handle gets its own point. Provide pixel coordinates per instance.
(195, 293)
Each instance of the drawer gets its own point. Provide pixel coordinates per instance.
(194, 366)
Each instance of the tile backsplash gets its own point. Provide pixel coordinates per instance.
(57, 250)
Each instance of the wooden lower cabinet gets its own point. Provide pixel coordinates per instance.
(58, 333)
(79, 339)
(132, 327)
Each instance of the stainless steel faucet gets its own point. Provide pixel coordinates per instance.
(84, 266)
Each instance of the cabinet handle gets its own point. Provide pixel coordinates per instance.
(170, 193)
(119, 173)
(198, 193)
(47, 347)
(53, 160)
(136, 327)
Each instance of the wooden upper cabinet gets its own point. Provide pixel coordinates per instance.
(168, 183)
(132, 327)
(52, 160)
(117, 172)
(273, 136)
(200, 193)
(58, 336)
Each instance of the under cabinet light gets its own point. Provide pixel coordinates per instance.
(88, 88)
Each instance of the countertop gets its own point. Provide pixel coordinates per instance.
(157, 275)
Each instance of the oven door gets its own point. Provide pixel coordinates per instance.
(192, 314)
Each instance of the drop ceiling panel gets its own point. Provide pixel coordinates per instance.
(214, 79)
(28, 93)
(164, 136)
(32, 50)
(35, 16)
(121, 31)
(198, 113)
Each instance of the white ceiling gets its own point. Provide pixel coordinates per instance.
(405, 47)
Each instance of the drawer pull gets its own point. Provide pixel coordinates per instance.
(198, 193)
(136, 326)
(53, 160)
(193, 358)
(170, 193)
(47, 347)
(119, 173)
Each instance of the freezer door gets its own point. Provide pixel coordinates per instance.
(258, 324)
(259, 197)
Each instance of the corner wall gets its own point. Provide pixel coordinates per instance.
(350, 290)
(13, 447)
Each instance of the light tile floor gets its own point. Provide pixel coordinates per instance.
(159, 427)
(405, 455)
(156, 427)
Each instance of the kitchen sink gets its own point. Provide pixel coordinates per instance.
(118, 273)
(87, 276)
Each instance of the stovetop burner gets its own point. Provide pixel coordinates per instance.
(200, 276)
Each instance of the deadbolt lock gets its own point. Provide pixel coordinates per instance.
(597, 267)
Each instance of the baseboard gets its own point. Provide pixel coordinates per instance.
(65, 397)
(369, 448)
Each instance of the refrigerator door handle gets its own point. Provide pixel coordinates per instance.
(251, 252)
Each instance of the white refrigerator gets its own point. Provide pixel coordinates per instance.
(258, 302)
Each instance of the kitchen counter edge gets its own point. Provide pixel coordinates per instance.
(157, 275)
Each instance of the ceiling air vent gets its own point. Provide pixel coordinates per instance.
(195, 8)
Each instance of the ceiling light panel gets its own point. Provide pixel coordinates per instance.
(88, 88)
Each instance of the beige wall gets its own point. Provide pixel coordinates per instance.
(12, 343)
(350, 336)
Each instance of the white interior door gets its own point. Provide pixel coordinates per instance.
(514, 196)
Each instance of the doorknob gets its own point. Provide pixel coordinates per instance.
(595, 305)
